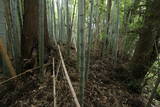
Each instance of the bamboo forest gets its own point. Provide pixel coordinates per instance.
(79, 53)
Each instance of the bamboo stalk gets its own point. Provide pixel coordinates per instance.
(108, 16)
(73, 14)
(81, 48)
(16, 31)
(54, 21)
(3, 52)
(58, 21)
(54, 84)
(68, 80)
(41, 33)
(68, 28)
(89, 40)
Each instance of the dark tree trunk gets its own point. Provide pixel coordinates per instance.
(30, 27)
(46, 33)
(145, 53)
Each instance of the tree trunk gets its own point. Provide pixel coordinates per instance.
(145, 52)
(30, 27)
(47, 42)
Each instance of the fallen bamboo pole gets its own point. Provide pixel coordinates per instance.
(68, 79)
(5, 57)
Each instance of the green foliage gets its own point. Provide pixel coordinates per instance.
(125, 19)
(102, 35)
(102, 7)
(151, 78)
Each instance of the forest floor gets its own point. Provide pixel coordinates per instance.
(102, 90)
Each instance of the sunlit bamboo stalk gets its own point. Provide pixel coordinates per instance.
(81, 49)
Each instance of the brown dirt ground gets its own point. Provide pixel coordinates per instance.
(102, 89)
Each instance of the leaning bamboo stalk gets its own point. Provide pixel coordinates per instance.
(3, 52)
(68, 79)
(54, 85)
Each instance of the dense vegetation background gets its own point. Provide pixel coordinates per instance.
(101, 40)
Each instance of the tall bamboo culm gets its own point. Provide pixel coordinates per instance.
(41, 33)
(81, 48)
(108, 13)
(14, 25)
(90, 36)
